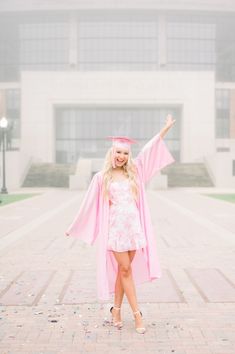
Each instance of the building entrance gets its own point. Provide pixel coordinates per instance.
(82, 132)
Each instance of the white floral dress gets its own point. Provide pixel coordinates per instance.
(125, 232)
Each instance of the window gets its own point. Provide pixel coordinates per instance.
(191, 45)
(226, 50)
(83, 131)
(44, 45)
(117, 45)
(13, 117)
(222, 113)
(8, 50)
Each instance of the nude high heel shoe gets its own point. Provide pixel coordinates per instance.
(140, 330)
(118, 324)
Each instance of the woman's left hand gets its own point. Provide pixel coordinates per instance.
(169, 121)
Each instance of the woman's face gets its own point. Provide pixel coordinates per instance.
(121, 157)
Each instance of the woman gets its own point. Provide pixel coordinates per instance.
(115, 212)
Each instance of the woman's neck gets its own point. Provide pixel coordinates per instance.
(120, 169)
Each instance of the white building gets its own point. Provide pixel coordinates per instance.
(73, 72)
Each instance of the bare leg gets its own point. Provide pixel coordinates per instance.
(119, 291)
(124, 262)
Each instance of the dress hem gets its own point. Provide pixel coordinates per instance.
(134, 249)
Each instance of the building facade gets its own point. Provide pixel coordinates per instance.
(73, 72)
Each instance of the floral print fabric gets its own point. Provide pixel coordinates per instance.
(125, 232)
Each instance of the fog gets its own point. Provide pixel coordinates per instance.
(73, 73)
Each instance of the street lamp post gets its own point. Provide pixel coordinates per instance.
(3, 127)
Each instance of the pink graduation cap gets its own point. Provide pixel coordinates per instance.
(120, 142)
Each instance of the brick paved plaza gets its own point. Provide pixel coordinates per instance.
(48, 300)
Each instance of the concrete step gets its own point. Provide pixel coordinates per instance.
(57, 175)
(49, 175)
(188, 175)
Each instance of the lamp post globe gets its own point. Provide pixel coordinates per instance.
(3, 127)
(3, 123)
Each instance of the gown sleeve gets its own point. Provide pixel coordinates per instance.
(85, 225)
(153, 157)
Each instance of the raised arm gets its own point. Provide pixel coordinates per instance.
(169, 123)
(155, 155)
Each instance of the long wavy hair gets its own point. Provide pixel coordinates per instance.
(130, 172)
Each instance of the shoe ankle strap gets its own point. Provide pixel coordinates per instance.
(138, 311)
(116, 307)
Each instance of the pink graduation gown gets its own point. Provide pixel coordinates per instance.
(91, 222)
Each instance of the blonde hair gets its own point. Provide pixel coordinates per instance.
(130, 172)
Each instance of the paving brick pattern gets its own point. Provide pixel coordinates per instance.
(48, 300)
